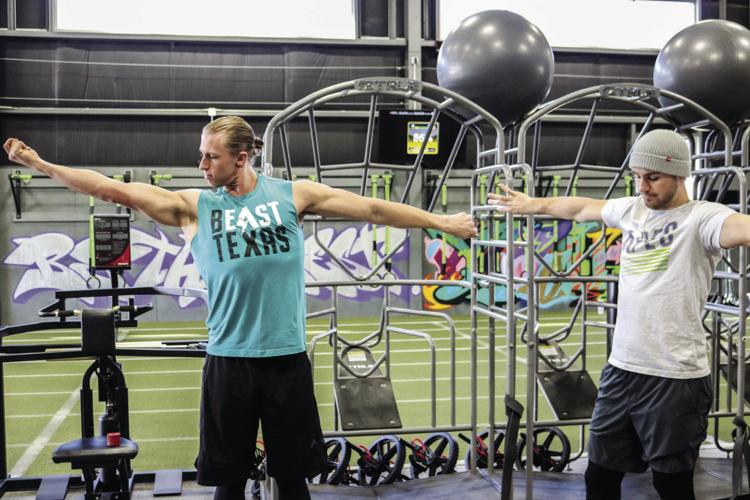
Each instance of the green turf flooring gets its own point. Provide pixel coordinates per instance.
(42, 401)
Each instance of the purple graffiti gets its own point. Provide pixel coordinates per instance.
(352, 245)
(55, 261)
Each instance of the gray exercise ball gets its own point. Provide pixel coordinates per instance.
(499, 60)
(709, 63)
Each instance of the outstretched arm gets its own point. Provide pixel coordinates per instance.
(735, 231)
(562, 207)
(313, 197)
(166, 207)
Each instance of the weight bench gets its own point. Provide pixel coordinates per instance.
(92, 453)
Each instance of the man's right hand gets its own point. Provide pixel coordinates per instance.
(461, 225)
(19, 152)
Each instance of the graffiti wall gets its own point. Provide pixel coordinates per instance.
(55, 261)
(563, 246)
(360, 248)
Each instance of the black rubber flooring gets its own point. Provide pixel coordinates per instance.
(713, 480)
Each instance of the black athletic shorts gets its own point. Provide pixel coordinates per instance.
(237, 394)
(642, 420)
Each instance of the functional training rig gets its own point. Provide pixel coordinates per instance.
(562, 377)
(364, 400)
(510, 156)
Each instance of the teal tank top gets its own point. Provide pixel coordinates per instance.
(249, 251)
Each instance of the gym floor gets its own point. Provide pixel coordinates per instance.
(42, 398)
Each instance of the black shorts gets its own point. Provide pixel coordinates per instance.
(643, 420)
(237, 394)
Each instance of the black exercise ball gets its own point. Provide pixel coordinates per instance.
(499, 60)
(709, 63)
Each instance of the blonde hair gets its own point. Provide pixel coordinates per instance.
(238, 135)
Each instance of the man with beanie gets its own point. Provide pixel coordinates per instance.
(655, 392)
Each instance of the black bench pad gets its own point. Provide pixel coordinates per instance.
(94, 450)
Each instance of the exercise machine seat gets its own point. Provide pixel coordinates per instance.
(94, 451)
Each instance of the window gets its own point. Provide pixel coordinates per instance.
(223, 18)
(612, 24)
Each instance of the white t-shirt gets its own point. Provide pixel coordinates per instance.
(667, 260)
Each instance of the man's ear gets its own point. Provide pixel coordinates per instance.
(242, 158)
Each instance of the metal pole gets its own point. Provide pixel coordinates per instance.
(51, 15)
(392, 19)
(473, 347)
(12, 25)
(414, 44)
(531, 349)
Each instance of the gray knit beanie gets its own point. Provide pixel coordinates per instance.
(662, 151)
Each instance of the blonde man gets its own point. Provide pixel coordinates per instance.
(246, 239)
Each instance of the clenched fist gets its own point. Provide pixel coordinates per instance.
(19, 152)
(461, 225)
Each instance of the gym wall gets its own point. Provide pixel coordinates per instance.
(69, 96)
